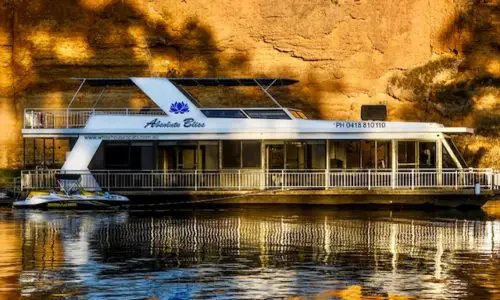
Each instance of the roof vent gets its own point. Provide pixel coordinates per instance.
(373, 112)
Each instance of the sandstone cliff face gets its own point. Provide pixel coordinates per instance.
(427, 60)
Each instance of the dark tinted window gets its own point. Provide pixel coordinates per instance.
(221, 113)
(231, 154)
(266, 114)
(457, 152)
(251, 154)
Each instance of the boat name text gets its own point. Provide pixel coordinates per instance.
(187, 123)
(359, 124)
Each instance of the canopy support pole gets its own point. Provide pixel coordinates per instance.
(267, 93)
(71, 102)
(99, 97)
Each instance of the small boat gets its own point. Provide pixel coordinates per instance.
(71, 196)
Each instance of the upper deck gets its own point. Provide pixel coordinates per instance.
(177, 113)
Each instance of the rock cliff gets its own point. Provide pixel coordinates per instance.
(427, 60)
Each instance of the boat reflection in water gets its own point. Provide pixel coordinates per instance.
(254, 253)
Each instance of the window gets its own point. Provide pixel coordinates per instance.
(383, 155)
(223, 113)
(231, 154)
(337, 155)
(294, 155)
(406, 155)
(457, 153)
(267, 114)
(316, 156)
(427, 155)
(368, 154)
(297, 114)
(353, 154)
(448, 162)
(251, 154)
(117, 156)
(210, 156)
(241, 154)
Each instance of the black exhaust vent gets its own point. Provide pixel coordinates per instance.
(373, 112)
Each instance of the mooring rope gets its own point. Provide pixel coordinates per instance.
(207, 200)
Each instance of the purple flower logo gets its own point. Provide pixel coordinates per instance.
(179, 108)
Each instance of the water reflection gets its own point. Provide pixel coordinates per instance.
(250, 253)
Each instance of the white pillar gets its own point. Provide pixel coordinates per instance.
(262, 165)
(439, 162)
(394, 162)
(327, 165)
(220, 155)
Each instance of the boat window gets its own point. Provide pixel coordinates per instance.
(223, 113)
(368, 154)
(448, 162)
(276, 157)
(251, 154)
(210, 156)
(297, 114)
(383, 155)
(353, 154)
(294, 155)
(337, 155)
(267, 114)
(427, 155)
(117, 156)
(241, 154)
(406, 154)
(231, 154)
(457, 153)
(316, 156)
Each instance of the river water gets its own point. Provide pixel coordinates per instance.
(306, 252)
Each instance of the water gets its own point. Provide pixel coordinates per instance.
(253, 252)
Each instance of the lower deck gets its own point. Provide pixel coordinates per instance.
(257, 169)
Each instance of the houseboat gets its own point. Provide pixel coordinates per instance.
(179, 149)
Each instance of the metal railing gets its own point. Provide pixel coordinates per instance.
(40, 118)
(248, 179)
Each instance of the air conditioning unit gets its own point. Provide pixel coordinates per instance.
(373, 112)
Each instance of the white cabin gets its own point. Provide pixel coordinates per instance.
(180, 145)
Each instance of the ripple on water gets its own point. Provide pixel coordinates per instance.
(251, 253)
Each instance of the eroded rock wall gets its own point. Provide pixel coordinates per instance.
(427, 60)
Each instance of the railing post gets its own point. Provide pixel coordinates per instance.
(412, 179)
(490, 178)
(456, 179)
(239, 179)
(195, 176)
(32, 118)
(327, 179)
(152, 180)
(369, 180)
(107, 181)
(262, 180)
(282, 179)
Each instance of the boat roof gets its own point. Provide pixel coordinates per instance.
(188, 81)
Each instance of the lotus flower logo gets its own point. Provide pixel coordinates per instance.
(179, 108)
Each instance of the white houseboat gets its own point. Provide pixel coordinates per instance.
(181, 148)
